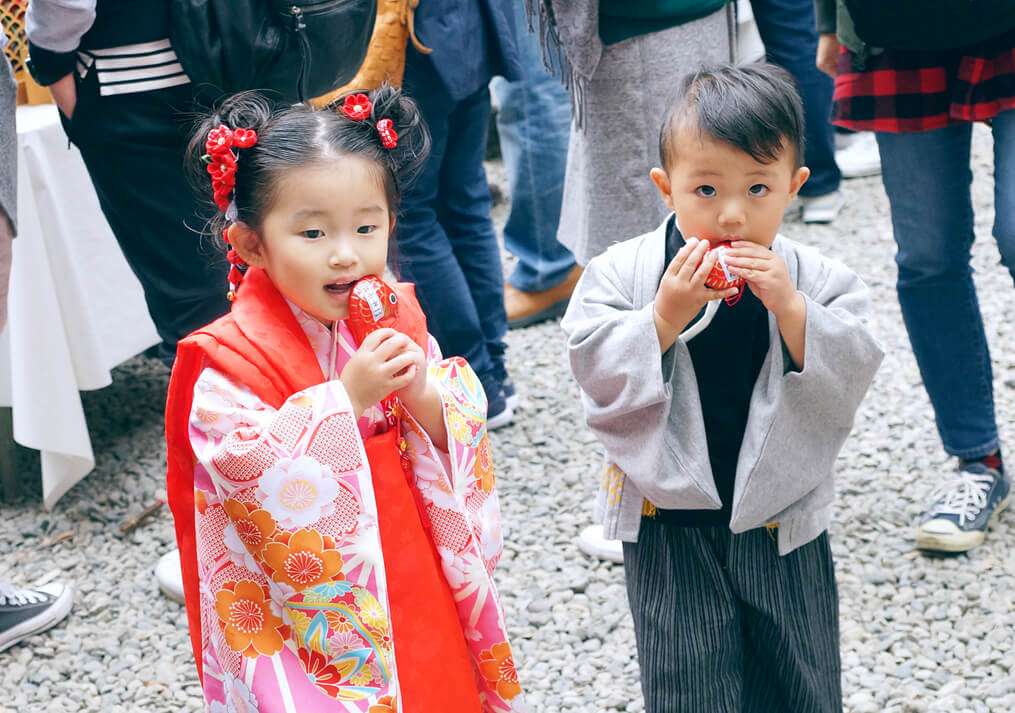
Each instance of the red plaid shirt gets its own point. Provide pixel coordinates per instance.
(901, 91)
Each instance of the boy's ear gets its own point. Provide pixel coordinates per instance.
(662, 182)
(800, 177)
(247, 244)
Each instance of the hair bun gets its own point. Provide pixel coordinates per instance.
(413, 145)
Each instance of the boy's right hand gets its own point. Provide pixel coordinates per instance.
(378, 368)
(682, 292)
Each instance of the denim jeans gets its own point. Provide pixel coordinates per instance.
(927, 178)
(446, 242)
(788, 29)
(534, 121)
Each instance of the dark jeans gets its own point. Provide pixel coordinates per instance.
(133, 146)
(788, 29)
(445, 237)
(927, 178)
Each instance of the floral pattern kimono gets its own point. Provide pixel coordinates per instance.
(293, 598)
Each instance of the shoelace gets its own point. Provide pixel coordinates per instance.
(965, 495)
(12, 596)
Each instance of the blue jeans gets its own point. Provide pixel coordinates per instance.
(927, 178)
(788, 29)
(534, 121)
(446, 242)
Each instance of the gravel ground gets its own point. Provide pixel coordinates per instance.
(918, 633)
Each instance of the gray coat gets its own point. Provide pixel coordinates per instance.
(8, 140)
(646, 412)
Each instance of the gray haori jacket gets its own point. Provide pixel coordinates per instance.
(646, 411)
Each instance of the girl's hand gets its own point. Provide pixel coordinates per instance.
(682, 292)
(766, 274)
(415, 389)
(379, 367)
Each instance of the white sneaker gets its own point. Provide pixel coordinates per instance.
(592, 542)
(170, 576)
(861, 158)
(822, 209)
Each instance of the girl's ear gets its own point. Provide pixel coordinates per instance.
(662, 183)
(247, 244)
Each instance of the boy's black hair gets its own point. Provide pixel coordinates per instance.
(754, 107)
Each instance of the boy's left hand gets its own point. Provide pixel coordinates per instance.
(765, 273)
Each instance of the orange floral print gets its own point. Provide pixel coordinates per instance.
(244, 611)
(253, 525)
(306, 560)
(498, 667)
(384, 704)
(485, 479)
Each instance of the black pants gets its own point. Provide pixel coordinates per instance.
(726, 625)
(134, 146)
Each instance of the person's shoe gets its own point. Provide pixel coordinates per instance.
(962, 509)
(24, 612)
(527, 308)
(510, 395)
(169, 575)
(498, 412)
(822, 209)
(861, 158)
(592, 542)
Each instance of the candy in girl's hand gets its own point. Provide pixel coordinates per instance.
(372, 306)
(720, 277)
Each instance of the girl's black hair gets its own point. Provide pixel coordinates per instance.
(754, 107)
(296, 136)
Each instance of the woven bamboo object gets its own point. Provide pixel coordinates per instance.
(385, 60)
(12, 18)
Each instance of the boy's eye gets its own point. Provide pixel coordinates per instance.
(758, 189)
(313, 233)
(705, 191)
(366, 229)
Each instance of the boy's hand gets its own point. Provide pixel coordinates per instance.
(682, 292)
(766, 274)
(379, 367)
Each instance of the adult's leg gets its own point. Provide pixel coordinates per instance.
(133, 146)
(686, 621)
(927, 178)
(1004, 187)
(424, 251)
(790, 609)
(534, 122)
(464, 212)
(788, 29)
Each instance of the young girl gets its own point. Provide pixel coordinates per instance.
(336, 553)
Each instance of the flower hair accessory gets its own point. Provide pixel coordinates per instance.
(221, 158)
(358, 107)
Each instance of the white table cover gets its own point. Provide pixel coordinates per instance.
(75, 308)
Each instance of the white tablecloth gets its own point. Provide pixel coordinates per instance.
(75, 308)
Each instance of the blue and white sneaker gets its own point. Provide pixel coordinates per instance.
(498, 412)
(962, 509)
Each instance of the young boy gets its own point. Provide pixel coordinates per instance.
(723, 444)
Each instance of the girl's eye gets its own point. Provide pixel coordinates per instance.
(758, 189)
(366, 229)
(705, 191)
(313, 234)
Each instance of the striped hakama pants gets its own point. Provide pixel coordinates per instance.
(725, 625)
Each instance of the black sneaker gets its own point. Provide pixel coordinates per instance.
(24, 612)
(498, 412)
(510, 395)
(962, 508)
